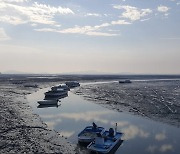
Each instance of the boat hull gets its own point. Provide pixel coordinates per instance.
(48, 102)
(88, 134)
(110, 144)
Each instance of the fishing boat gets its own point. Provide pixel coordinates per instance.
(72, 84)
(48, 102)
(89, 133)
(59, 93)
(106, 143)
(60, 88)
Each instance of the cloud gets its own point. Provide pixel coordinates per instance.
(3, 35)
(133, 131)
(87, 116)
(133, 13)
(162, 148)
(93, 14)
(86, 30)
(120, 22)
(166, 147)
(67, 133)
(100, 34)
(36, 13)
(152, 148)
(16, 1)
(160, 136)
(162, 9)
(14, 20)
(145, 19)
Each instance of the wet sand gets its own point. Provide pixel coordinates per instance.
(21, 131)
(158, 100)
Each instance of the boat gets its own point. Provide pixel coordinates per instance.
(64, 86)
(48, 102)
(89, 133)
(125, 81)
(60, 88)
(106, 143)
(72, 84)
(55, 93)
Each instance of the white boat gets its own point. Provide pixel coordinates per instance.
(106, 143)
(89, 133)
(48, 102)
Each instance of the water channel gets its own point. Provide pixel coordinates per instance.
(141, 135)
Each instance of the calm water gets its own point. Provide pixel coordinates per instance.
(142, 136)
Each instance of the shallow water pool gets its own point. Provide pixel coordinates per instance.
(141, 135)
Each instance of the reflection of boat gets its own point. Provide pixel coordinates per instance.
(72, 84)
(48, 102)
(89, 133)
(106, 143)
(48, 105)
(125, 81)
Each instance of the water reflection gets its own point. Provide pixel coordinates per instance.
(49, 105)
(165, 148)
(160, 136)
(141, 135)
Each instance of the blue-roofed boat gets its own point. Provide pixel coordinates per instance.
(106, 143)
(89, 134)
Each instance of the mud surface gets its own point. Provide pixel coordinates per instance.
(21, 131)
(158, 100)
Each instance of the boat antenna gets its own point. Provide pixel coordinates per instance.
(116, 128)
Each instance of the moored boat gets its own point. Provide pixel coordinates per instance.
(106, 143)
(72, 84)
(48, 102)
(60, 88)
(59, 93)
(89, 133)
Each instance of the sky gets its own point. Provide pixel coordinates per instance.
(90, 36)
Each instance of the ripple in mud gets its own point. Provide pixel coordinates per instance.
(159, 100)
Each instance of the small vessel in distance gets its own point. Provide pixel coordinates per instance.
(89, 133)
(125, 81)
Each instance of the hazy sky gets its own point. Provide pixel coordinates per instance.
(104, 36)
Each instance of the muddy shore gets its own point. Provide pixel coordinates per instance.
(158, 100)
(21, 131)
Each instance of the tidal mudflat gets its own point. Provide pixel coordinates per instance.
(27, 129)
(141, 134)
(21, 131)
(156, 99)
